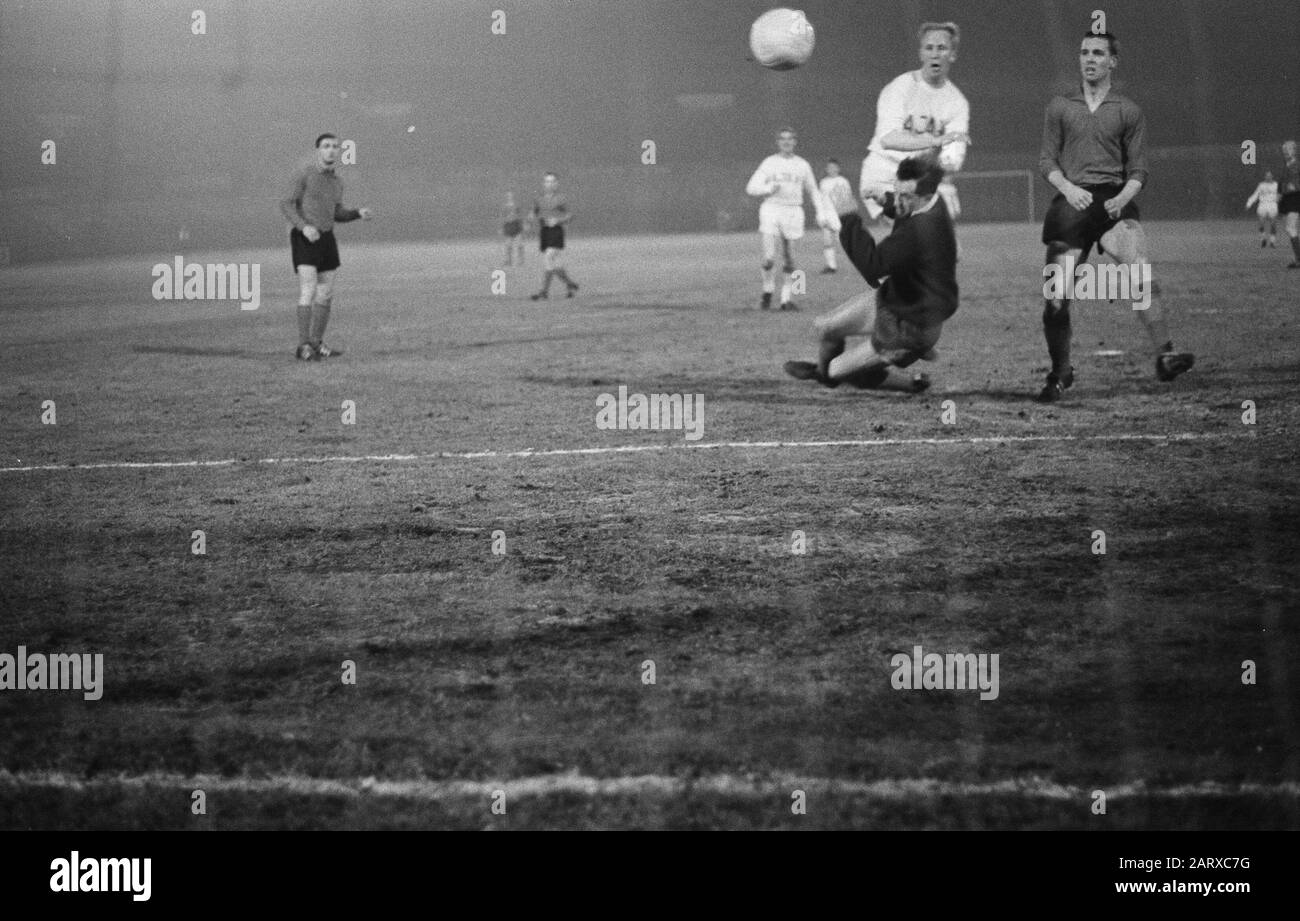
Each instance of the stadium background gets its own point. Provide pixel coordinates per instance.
(160, 131)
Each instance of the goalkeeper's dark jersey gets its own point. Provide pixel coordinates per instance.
(915, 267)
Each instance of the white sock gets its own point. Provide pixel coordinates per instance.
(785, 291)
(830, 257)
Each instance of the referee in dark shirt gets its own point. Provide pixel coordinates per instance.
(915, 272)
(1094, 156)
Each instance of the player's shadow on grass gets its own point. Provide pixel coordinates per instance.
(1026, 394)
(496, 343)
(188, 350)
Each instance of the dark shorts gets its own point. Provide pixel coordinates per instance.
(1084, 229)
(902, 342)
(512, 228)
(551, 238)
(1289, 203)
(323, 254)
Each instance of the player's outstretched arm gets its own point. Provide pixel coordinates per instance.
(875, 261)
(1254, 197)
(342, 215)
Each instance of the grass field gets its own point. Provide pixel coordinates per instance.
(523, 672)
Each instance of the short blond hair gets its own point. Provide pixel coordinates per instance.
(950, 27)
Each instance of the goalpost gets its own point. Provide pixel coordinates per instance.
(996, 195)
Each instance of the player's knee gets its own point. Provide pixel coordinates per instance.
(1056, 250)
(1056, 312)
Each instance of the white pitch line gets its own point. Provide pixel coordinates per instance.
(896, 790)
(632, 449)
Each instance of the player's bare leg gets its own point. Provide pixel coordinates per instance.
(860, 365)
(306, 294)
(768, 265)
(787, 266)
(1293, 231)
(548, 272)
(829, 241)
(1126, 243)
(558, 270)
(953, 203)
(1056, 328)
(320, 314)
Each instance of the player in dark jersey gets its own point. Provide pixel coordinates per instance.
(915, 270)
(313, 205)
(1289, 205)
(1094, 156)
(551, 211)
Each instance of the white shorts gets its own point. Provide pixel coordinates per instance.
(1266, 212)
(785, 221)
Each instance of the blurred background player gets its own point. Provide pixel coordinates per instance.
(513, 230)
(313, 205)
(1266, 195)
(1290, 203)
(1094, 155)
(781, 181)
(551, 211)
(915, 269)
(918, 112)
(838, 194)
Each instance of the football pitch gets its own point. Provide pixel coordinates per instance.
(435, 594)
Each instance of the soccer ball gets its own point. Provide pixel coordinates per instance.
(781, 39)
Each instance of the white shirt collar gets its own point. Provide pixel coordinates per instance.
(928, 205)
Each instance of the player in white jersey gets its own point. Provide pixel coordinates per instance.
(781, 181)
(1266, 196)
(917, 112)
(839, 195)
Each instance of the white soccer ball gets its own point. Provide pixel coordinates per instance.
(781, 39)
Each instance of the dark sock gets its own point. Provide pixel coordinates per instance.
(828, 352)
(1295, 247)
(868, 378)
(320, 316)
(304, 323)
(1056, 330)
(564, 277)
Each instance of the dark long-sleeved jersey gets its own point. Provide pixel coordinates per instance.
(315, 196)
(915, 267)
(1106, 147)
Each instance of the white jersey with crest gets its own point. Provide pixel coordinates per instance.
(908, 103)
(1265, 193)
(790, 175)
(837, 191)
